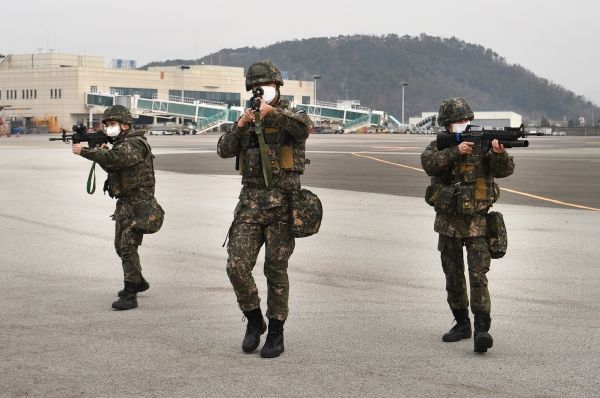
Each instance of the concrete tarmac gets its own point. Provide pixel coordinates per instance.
(367, 302)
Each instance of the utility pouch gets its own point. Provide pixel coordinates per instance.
(466, 200)
(445, 199)
(251, 162)
(148, 216)
(307, 213)
(497, 237)
(431, 195)
(273, 155)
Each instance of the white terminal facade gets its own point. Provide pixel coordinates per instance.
(57, 87)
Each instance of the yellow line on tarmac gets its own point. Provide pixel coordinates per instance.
(385, 161)
(558, 202)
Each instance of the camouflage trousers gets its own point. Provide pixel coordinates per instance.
(127, 240)
(478, 260)
(250, 229)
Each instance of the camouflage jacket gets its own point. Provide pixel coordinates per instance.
(462, 188)
(286, 131)
(129, 164)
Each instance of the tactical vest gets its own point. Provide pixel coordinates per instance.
(284, 152)
(465, 188)
(122, 182)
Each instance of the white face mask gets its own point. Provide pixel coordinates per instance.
(459, 127)
(270, 93)
(113, 131)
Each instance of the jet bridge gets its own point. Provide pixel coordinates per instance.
(173, 106)
(347, 113)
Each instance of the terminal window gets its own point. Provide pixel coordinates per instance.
(147, 93)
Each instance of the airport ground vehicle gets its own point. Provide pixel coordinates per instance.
(170, 129)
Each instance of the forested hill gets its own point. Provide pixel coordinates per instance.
(370, 68)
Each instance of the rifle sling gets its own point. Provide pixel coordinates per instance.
(264, 157)
(91, 189)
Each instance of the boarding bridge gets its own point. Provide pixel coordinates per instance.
(399, 125)
(349, 114)
(188, 108)
(427, 123)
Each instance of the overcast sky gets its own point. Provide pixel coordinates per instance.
(558, 40)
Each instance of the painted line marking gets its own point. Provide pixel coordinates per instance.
(385, 161)
(558, 202)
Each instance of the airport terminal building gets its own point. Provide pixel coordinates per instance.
(61, 90)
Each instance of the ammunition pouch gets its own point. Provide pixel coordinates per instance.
(306, 213)
(444, 198)
(148, 216)
(283, 153)
(497, 237)
(430, 195)
(112, 185)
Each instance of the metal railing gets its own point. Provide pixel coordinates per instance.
(187, 100)
(361, 120)
(323, 103)
(212, 119)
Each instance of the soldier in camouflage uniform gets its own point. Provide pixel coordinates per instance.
(130, 169)
(262, 214)
(462, 191)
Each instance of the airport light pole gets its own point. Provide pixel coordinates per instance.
(315, 77)
(403, 84)
(182, 67)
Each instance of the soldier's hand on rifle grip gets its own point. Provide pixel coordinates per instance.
(265, 109)
(465, 147)
(77, 149)
(246, 118)
(498, 148)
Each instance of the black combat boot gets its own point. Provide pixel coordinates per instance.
(141, 286)
(128, 300)
(256, 327)
(483, 340)
(462, 329)
(274, 341)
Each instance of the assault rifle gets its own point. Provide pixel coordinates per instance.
(80, 134)
(482, 138)
(257, 94)
(94, 140)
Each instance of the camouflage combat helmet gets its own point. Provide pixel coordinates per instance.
(261, 73)
(118, 113)
(454, 109)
